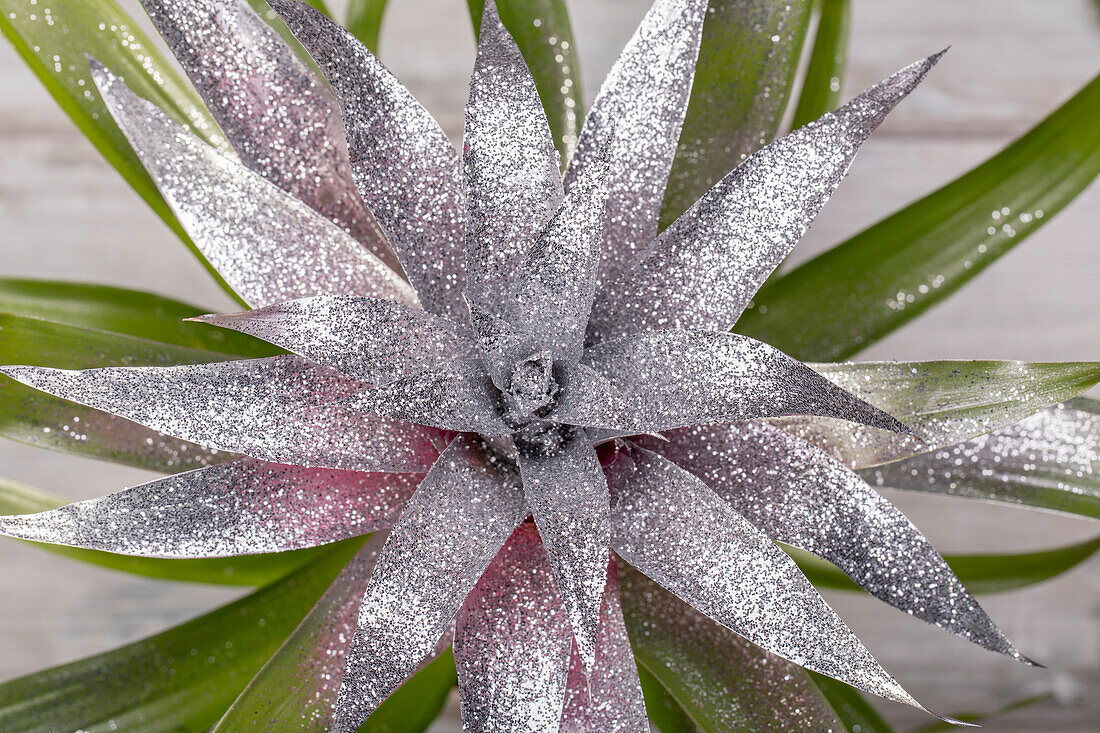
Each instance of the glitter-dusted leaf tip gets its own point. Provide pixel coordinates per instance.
(405, 167)
(237, 61)
(268, 245)
(746, 224)
(377, 341)
(243, 507)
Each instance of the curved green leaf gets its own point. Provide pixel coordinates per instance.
(821, 88)
(364, 20)
(747, 62)
(418, 701)
(124, 311)
(979, 573)
(719, 680)
(943, 402)
(664, 713)
(179, 680)
(35, 418)
(16, 498)
(54, 38)
(940, 726)
(1049, 461)
(849, 297)
(544, 36)
(851, 707)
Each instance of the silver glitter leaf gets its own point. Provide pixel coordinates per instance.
(268, 245)
(679, 378)
(567, 493)
(459, 517)
(746, 224)
(1049, 461)
(672, 527)
(283, 122)
(513, 179)
(609, 698)
(796, 494)
(725, 682)
(377, 341)
(944, 402)
(456, 396)
(642, 100)
(243, 507)
(275, 409)
(512, 642)
(406, 169)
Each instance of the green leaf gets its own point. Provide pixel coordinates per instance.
(364, 20)
(124, 311)
(53, 38)
(747, 62)
(821, 88)
(178, 680)
(661, 708)
(542, 32)
(1049, 461)
(717, 679)
(851, 707)
(979, 573)
(16, 498)
(417, 702)
(944, 402)
(35, 418)
(849, 297)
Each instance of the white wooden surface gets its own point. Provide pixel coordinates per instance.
(64, 214)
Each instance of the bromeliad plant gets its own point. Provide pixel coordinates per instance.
(528, 380)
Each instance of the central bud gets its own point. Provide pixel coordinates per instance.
(532, 386)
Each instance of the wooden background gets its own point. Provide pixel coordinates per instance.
(65, 214)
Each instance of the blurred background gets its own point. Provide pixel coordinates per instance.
(64, 214)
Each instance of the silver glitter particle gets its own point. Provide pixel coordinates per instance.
(669, 525)
(404, 165)
(513, 178)
(377, 341)
(679, 378)
(747, 224)
(567, 493)
(243, 507)
(459, 517)
(640, 107)
(268, 245)
(796, 494)
(277, 409)
(512, 642)
(282, 120)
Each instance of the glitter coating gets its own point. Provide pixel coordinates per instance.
(796, 494)
(377, 341)
(669, 525)
(640, 108)
(459, 517)
(609, 698)
(679, 378)
(730, 683)
(567, 493)
(510, 165)
(404, 165)
(243, 507)
(512, 642)
(747, 224)
(280, 118)
(455, 396)
(1051, 460)
(276, 409)
(944, 402)
(265, 243)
